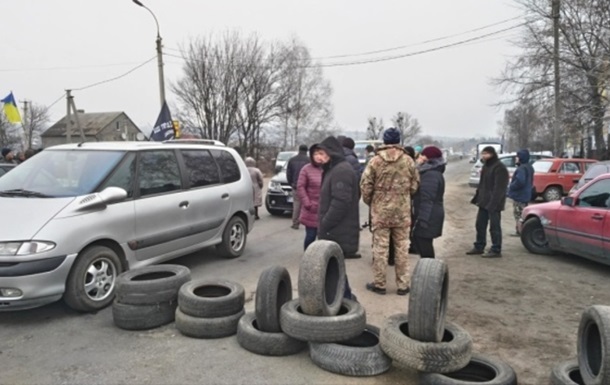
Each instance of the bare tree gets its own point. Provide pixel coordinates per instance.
(408, 126)
(34, 124)
(374, 129)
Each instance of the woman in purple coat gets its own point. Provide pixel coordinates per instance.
(308, 191)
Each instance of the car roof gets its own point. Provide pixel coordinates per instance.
(567, 160)
(132, 146)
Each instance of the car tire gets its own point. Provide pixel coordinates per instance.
(251, 338)
(142, 317)
(533, 237)
(234, 238)
(481, 370)
(151, 284)
(593, 345)
(322, 279)
(91, 283)
(197, 327)
(566, 373)
(211, 298)
(359, 356)
(451, 354)
(428, 300)
(274, 289)
(552, 193)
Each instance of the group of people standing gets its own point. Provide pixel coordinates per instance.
(10, 156)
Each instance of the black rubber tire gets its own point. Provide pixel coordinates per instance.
(322, 279)
(75, 295)
(211, 298)
(451, 354)
(552, 193)
(207, 327)
(229, 247)
(151, 284)
(359, 356)
(593, 344)
(428, 300)
(533, 238)
(566, 373)
(481, 370)
(349, 323)
(274, 289)
(251, 338)
(142, 317)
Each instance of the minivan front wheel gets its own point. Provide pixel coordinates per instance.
(233, 238)
(91, 282)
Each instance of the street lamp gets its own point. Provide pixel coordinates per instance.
(159, 53)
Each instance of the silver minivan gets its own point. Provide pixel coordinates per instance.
(77, 215)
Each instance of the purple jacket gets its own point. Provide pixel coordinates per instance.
(308, 191)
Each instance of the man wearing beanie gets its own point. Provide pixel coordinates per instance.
(295, 164)
(490, 197)
(350, 155)
(387, 184)
(8, 156)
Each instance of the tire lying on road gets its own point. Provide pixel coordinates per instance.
(251, 338)
(142, 317)
(481, 370)
(274, 289)
(566, 373)
(151, 284)
(593, 344)
(348, 323)
(428, 300)
(207, 327)
(451, 354)
(210, 298)
(322, 279)
(358, 356)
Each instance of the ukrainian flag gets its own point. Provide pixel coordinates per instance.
(10, 109)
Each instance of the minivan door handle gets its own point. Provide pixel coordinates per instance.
(184, 204)
(597, 217)
(225, 196)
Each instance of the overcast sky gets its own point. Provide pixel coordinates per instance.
(51, 45)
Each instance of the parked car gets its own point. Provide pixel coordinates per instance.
(554, 178)
(592, 172)
(279, 196)
(578, 224)
(6, 167)
(509, 160)
(283, 158)
(83, 213)
(360, 148)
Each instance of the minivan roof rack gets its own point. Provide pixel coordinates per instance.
(209, 142)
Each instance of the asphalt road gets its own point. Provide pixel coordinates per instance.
(54, 345)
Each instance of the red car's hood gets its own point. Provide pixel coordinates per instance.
(542, 207)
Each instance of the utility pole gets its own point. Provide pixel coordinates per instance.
(557, 143)
(68, 116)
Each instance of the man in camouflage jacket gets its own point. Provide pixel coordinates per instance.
(387, 184)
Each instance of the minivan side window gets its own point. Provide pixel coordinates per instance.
(158, 172)
(201, 169)
(229, 169)
(124, 176)
(596, 195)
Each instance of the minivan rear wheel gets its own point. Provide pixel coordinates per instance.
(233, 238)
(92, 279)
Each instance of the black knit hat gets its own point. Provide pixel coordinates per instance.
(490, 150)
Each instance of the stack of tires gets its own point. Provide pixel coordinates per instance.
(146, 298)
(441, 351)
(339, 339)
(260, 332)
(592, 367)
(209, 308)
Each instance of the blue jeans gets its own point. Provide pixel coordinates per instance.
(310, 235)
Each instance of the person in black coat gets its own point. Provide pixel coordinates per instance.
(428, 208)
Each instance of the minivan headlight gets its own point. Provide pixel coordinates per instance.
(25, 248)
(273, 185)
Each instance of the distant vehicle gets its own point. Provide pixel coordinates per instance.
(578, 224)
(360, 148)
(509, 160)
(283, 158)
(555, 177)
(592, 172)
(482, 145)
(6, 167)
(279, 197)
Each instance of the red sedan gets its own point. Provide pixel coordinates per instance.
(578, 224)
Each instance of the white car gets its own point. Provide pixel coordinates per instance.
(283, 158)
(509, 160)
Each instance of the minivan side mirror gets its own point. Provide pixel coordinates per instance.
(278, 169)
(113, 194)
(567, 201)
(99, 201)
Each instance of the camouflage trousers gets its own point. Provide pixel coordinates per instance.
(381, 251)
(518, 209)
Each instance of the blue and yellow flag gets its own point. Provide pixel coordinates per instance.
(10, 109)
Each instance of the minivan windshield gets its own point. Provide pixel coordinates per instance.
(60, 173)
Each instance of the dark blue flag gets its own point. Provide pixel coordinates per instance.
(164, 128)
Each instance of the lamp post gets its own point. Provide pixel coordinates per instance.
(159, 53)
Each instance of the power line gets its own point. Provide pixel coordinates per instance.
(67, 67)
(116, 77)
(56, 101)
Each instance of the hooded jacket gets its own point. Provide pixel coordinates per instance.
(338, 216)
(352, 159)
(428, 207)
(491, 193)
(308, 190)
(388, 182)
(522, 182)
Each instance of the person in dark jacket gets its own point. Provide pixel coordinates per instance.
(428, 208)
(521, 184)
(293, 168)
(490, 197)
(351, 157)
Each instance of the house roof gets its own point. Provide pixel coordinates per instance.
(92, 123)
